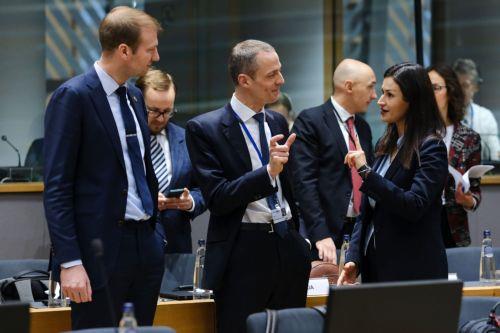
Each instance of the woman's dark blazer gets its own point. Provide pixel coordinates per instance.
(406, 217)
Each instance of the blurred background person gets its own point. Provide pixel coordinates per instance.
(283, 105)
(464, 151)
(171, 162)
(398, 235)
(477, 117)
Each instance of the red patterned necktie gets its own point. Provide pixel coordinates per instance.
(356, 179)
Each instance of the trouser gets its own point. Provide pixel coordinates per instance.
(264, 271)
(136, 278)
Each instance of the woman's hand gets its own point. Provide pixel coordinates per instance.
(464, 199)
(355, 158)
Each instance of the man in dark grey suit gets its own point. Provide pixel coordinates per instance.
(327, 191)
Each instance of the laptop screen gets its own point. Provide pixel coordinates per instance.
(413, 306)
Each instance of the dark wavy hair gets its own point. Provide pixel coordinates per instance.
(454, 92)
(422, 120)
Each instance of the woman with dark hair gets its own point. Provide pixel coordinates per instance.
(464, 151)
(397, 237)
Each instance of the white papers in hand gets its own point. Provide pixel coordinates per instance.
(477, 171)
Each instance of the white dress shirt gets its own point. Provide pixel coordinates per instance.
(344, 115)
(482, 120)
(257, 211)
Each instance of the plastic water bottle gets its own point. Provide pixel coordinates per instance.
(199, 265)
(487, 263)
(343, 252)
(128, 323)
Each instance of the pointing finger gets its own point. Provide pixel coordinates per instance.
(290, 140)
(274, 140)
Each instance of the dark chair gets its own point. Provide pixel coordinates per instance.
(144, 329)
(179, 270)
(297, 320)
(475, 308)
(465, 261)
(9, 268)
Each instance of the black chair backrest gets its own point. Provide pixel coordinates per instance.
(475, 308)
(288, 321)
(9, 268)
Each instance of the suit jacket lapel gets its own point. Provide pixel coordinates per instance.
(333, 124)
(232, 131)
(101, 105)
(175, 143)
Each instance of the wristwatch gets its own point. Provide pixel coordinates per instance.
(364, 171)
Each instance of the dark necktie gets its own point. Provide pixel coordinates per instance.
(159, 164)
(355, 177)
(272, 200)
(134, 152)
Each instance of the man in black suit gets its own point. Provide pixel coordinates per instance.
(255, 257)
(100, 182)
(328, 201)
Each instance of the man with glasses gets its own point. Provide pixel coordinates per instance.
(477, 117)
(171, 162)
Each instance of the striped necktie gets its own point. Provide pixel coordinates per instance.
(159, 164)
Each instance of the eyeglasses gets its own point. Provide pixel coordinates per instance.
(167, 113)
(438, 87)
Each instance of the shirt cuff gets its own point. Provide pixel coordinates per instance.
(70, 264)
(271, 179)
(192, 200)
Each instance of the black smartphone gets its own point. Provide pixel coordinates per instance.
(175, 193)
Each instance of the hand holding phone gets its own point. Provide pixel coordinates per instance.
(179, 199)
(175, 193)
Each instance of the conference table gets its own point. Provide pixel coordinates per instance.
(193, 316)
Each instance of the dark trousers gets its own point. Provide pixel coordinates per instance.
(264, 271)
(136, 278)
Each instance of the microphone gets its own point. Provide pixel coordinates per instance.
(98, 249)
(4, 138)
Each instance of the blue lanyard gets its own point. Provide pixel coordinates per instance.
(245, 129)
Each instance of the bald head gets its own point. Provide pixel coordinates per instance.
(354, 85)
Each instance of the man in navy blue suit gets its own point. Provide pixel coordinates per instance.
(327, 191)
(171, 162)
(100, 182)
(255, 257)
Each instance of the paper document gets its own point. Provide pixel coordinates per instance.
(477, 171)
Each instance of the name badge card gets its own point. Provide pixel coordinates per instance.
(318, 287)
(278, 214)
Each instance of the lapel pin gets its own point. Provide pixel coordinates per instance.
(134, 98)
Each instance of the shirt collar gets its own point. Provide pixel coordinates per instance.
(163, 132)
(243, 111)
(343, 114)
(108, 83)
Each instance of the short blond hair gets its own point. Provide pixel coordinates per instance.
(156, 80)
(123, 25)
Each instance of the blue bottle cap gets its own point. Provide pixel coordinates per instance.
(128, 306)
(347, 237)
(487, 233)
(201, 242)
